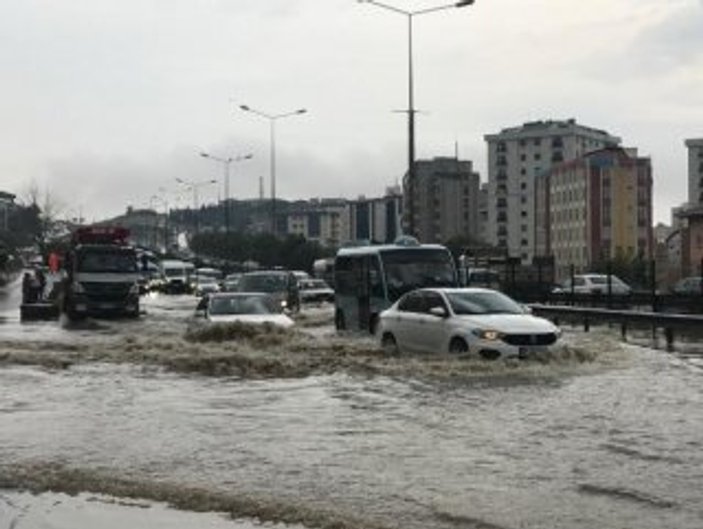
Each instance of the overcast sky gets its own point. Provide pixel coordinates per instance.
(104, 103)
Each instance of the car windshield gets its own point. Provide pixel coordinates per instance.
(242, 305)
(108, 261)
(206, 280)
(263, 283)
(408, 269)
(483, 303)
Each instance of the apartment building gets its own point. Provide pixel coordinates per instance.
(7, 205)
(376, 219)
(595, 208)
(517, 156)
(445, 199)
(695, 172)
(320, 220)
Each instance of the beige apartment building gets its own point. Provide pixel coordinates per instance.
(445, 199)
(695, 172)
(595, 208)
(517, 156)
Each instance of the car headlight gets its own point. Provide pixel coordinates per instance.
(284, 303)
(487, 334)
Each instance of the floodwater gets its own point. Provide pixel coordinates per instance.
(166, 424)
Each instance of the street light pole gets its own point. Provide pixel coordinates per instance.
(272, 118)
(411, 96)
(226, 163)
(195, 186)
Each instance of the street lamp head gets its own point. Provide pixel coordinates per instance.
(462, 3)
(244, 107)
(248, 156)
(204, 155)
(301, 111)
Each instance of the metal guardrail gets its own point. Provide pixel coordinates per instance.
(683, 324)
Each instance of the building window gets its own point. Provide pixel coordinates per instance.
(522, 142)
(538, 156)
(557, 142)
(557, 156)
(502, 216)
(501, 203)
(537, 142)
(523, 228)
(523, 157)
(502, 243)
(523, 242)
(523, 186)
(523, 214)
(501, 147)
(523, 171)
(523, 200)
(502, 162)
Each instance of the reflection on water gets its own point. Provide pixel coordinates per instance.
(60, 511)
(603, 435)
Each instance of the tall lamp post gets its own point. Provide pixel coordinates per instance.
(411, 99)
(164, 202)
(194, 186)
(226, 163)
(272, 118)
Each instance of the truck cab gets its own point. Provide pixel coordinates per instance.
(101, 274)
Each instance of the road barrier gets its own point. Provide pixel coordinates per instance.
(682, 324)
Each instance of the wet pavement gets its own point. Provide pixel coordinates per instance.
(315, 429)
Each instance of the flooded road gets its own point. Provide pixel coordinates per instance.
(313, 429)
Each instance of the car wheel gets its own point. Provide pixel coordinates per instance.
(389, 345)
(458, 346)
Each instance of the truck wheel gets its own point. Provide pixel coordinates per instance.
(73, 315)
(339, 323)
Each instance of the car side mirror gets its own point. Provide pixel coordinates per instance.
(440, 312)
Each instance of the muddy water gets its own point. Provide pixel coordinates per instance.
(322, 430)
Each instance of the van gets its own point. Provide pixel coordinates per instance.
(176, 277)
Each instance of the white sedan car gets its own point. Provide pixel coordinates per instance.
(481, 322)
(244, 307)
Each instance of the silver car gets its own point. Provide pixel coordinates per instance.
(477, 321)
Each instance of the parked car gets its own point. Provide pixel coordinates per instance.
(481, 277)
(280, 284)
(244, 307)
(300, 274)
(688, 286)
(231, 282)
(481, 322)
(205, 285)
(594, 284)
(315, 291)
